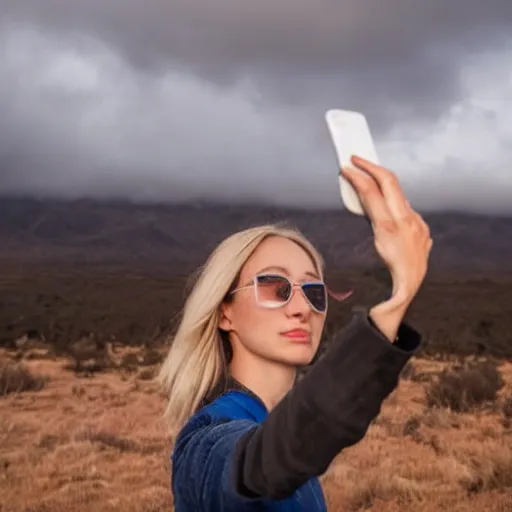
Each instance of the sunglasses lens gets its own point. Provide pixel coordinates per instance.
(316, 294)
(273, 291)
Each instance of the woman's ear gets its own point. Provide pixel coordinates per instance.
(225, 317)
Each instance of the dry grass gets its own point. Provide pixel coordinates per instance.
(15, 378)
(83, 444)
(96, 443)
(465, 386)
(418, 458)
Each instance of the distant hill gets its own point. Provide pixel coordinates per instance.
(87, 231)
(115, 270)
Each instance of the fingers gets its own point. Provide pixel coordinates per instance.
(424, 231)
(402, 237)
(387, 181)
(384, 200)
(370, 195)
(423, 225)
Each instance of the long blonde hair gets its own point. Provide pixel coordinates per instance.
(196, 359)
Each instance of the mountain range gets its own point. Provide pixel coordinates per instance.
(181, 235)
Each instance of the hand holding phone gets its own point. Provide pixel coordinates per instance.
(401, 236)
(351, 136)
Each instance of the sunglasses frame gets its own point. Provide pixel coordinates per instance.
(254, 285)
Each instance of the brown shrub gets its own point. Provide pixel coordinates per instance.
(16, 378)
(411, 426)
(130, 362)
(439, 419)
(86, 363)
(423, 376)
(377, 487)
(507, 407)
(123, 444)
(408, 372)
(151, 357)
(490, 467)
(465, 386)
(146, 374)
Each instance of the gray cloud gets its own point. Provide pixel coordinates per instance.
(296, 50)
(167, 100)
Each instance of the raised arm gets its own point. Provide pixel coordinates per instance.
(327, 411)
(333, 406)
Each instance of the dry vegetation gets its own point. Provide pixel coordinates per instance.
(82, 442)
(67, 304)
(80, 416)
(72, 440)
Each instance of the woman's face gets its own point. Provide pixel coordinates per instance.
(289, 334)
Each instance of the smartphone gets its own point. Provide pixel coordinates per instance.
(350, 135)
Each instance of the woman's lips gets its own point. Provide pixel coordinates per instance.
(297, 335)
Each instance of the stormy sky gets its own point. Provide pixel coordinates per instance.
(172, 100)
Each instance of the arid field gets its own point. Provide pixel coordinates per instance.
(89, 293)
(77, 439)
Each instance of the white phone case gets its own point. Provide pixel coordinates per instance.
(351, 135)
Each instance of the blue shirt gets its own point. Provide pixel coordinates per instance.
(203, 462)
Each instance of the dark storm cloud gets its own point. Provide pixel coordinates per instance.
(96, 95)
(399, 51)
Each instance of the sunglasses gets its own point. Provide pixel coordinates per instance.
(275, 291)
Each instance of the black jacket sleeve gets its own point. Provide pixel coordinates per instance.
(328, 410)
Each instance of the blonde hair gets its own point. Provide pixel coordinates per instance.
(196, 359)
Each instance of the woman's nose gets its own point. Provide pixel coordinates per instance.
(298, 304)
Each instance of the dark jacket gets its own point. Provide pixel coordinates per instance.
(233, 455)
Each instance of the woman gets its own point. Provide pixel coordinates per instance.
(251, 438)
